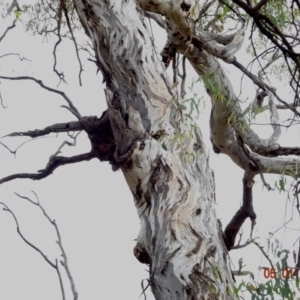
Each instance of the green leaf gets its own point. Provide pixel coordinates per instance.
(182, 107)
(281, 184)
(224, 13)
(246, 111)
(18, 14)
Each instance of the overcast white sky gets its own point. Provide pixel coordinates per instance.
(91, 204)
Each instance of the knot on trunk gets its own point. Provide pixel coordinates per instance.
(118, 102)
(126, 124)
(185, 6)
(141, 254)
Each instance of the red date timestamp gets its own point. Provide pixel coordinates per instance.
(285, 273)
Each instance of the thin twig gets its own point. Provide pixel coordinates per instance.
(7, 30)
(72, 108)
(15, 54)
(60, 75)
(74, 41)
(183, 78)
(264, 253)
(6, 208)
(59, 242)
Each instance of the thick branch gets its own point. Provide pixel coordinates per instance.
(246, 211)
(56, 128)
(53, 164)
(278, 165)
(98, 129)
(227, 120)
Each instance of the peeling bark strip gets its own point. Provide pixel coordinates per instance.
(182, 246)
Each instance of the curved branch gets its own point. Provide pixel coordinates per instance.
(73, 39)
(15, 54)
(261, 248)
(59, 242)
(6, 208)
(60, 75)
(7, 30)
(256, 105)
(53, 164)
(73, 109)
(264, 86)
(246, 211)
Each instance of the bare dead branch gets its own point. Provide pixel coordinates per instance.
(6, 208)
(53, 164)
(22, 144)
(11, 151)
(239, 245)
(15, 54)
(60, 75)
(1, 100)
(264, 253)
(263, 86)
(64, 262)
(60, 280)
(73, 39)
(66, 143)
(99, 132)
(7, 30)
(275, 57)
(73, 109)
(56, 128)
(59, 242)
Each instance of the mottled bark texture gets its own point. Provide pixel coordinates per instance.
(173, 189)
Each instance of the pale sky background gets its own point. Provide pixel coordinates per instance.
(91, 204)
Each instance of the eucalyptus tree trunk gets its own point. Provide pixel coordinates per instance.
(169, 175)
